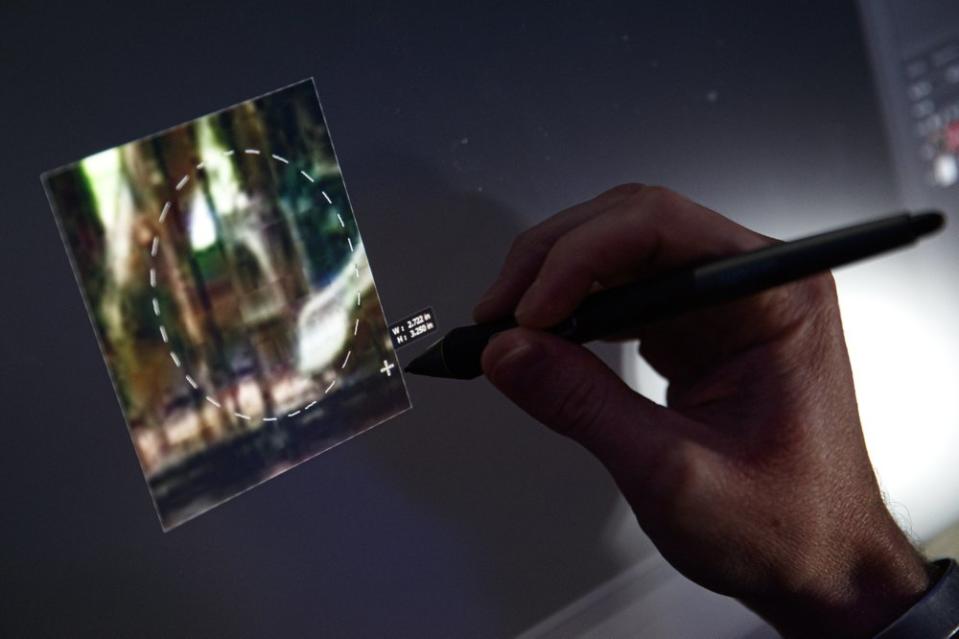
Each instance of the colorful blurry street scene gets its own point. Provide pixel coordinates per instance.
(230, 289)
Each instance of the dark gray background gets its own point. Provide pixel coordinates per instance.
(455, 127)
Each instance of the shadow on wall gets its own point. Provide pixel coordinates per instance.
(529, 507)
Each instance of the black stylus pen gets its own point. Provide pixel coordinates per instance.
(613, 311)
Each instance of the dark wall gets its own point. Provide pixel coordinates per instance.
(455, 128)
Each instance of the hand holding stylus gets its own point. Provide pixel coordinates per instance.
(755, 481)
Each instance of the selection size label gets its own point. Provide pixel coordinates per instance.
(409, 329)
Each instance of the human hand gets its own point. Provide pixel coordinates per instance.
(755, 481)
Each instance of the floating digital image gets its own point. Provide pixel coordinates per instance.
(230, 290)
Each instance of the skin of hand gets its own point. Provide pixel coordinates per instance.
(754, 481)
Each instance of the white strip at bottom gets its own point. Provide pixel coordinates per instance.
(651, 600)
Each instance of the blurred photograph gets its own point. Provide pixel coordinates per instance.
(230, 291)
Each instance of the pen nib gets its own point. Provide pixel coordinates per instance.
(430, 362)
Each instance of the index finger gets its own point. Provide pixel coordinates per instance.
(530, 248)
(652, 230)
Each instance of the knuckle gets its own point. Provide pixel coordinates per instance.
(568, 259)
(626, 188)
(519, 242)
(521, 245)
(679, 475)
(813, 296)
(565, 248)
(657, 196)
(526, 242)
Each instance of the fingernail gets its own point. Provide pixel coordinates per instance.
(490, 293)
(515, 364)
(485, 299)
(528, 303)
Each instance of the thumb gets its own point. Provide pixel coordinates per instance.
(572, 391)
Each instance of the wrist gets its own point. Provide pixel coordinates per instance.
(852, 594)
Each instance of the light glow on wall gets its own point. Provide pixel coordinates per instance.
(902, 333)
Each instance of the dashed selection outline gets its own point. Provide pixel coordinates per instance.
(154, 251)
